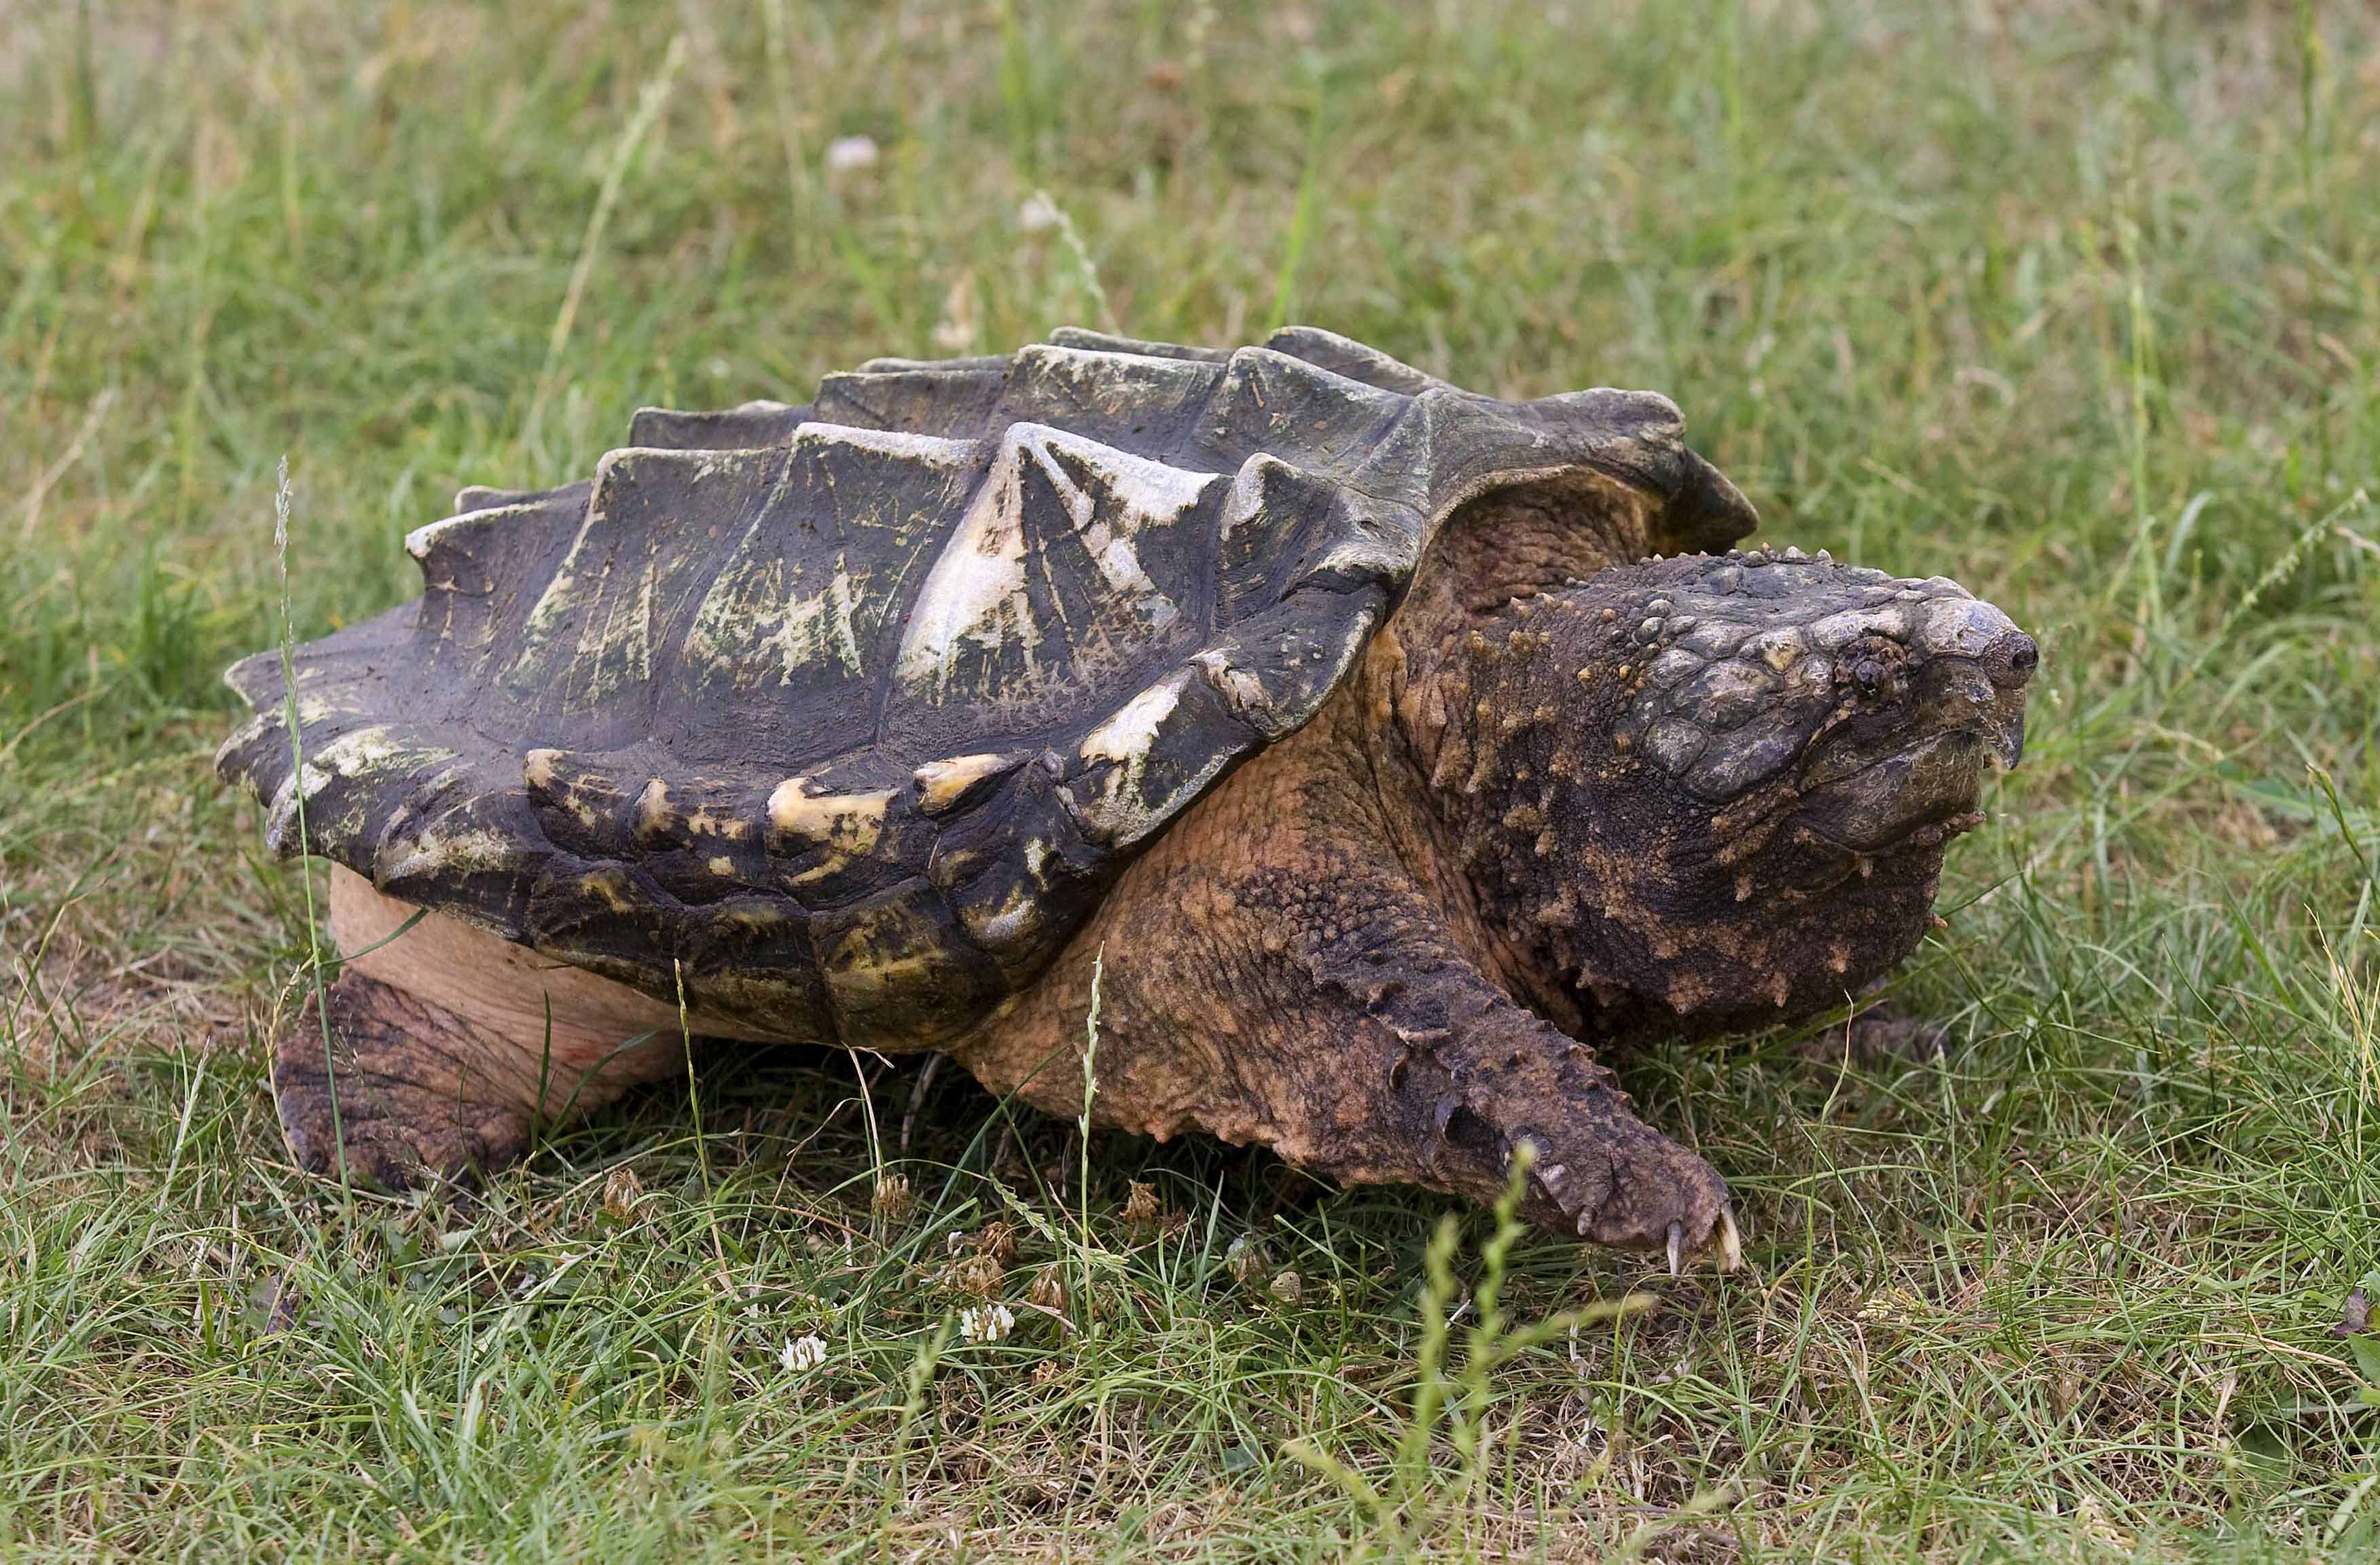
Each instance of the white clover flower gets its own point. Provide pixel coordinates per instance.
(1040, 214)
(802, 1355)
(991, 1323)
(848, 154)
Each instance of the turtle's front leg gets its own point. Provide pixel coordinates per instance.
(446, 1044)
(1472, 1077)
(1331, 1015)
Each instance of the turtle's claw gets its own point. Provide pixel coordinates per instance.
(1731, 1242)
(1677, 1249)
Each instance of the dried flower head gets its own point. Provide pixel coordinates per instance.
(1140, 1207)
(997, 1240)
(978, 1275)
(1048, 1293)
(1288, 1287)
(1246, 1260)
(893, 1201)
(623, 1194)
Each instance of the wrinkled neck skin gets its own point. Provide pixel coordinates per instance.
(1701, 821)
(1419, 713)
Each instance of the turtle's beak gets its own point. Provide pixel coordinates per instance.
(1920, 781)
(1982, 663)
(2008, 664)
(2005, 742)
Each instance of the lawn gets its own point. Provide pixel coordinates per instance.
(2077, 303)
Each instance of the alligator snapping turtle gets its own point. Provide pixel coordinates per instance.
(1390, 740)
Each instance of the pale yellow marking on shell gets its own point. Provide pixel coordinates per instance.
(653, 813)
(465, 852)
(975, 593)
(601, 886)
(809, 629)
(615, 643)
(849, 823)
(627, 629)
(1014, 918)
(1246, 501)
(352, 754)
(722, 865)
(976, 589)
(1244, 691)
(541, 771)
(940, 783)
(759, 615)
(538, 628)
(1124, 738)
(826, 622)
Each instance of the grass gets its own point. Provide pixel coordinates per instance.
(2077, 303)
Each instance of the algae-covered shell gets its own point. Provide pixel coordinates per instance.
(844, 716)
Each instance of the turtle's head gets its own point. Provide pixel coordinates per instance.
(1737, 808)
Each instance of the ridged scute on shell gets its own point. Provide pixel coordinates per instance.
(849, 712)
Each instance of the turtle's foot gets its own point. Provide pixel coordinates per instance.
(1503, 1077)
(405, 1091)
(1604, 1174)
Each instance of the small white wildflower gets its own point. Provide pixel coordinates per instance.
(991, 1323)
(802, 1355)
(848, 154)
(1040, 214)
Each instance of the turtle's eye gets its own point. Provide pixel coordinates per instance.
(1874, 669)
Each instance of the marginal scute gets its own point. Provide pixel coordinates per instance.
(800, 818)
(847, 714)
(943, 785)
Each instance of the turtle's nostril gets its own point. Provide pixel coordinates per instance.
(2016, 655)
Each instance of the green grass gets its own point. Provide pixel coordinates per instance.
(2077, 303)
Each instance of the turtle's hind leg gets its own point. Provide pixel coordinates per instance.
(393, 1090)
(447, 1044)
